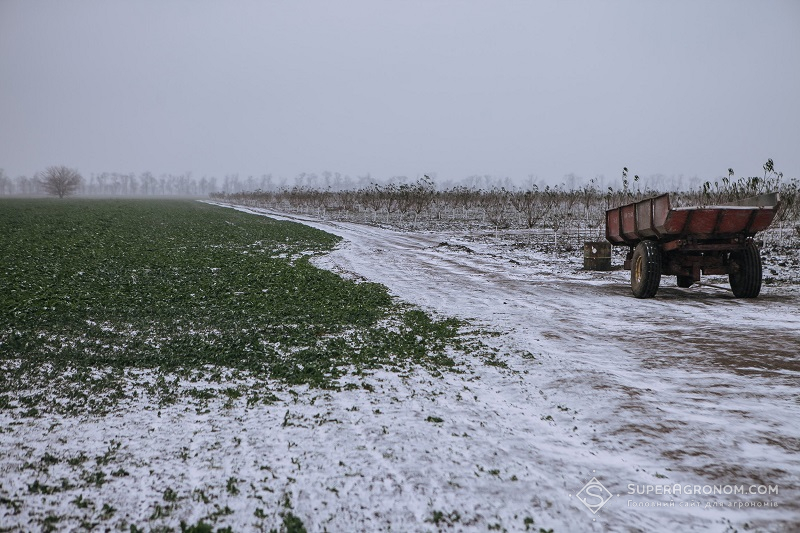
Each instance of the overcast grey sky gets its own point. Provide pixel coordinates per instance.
(456, 88)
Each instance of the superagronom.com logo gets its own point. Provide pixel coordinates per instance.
(594, 495)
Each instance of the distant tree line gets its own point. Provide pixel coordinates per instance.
(575, 207)
(495, 201)
(149, 184)
(143, 184)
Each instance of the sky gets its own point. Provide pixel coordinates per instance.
(453, 89)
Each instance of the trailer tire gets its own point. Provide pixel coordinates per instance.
(646, 269)
(744, 271)
(684, 282)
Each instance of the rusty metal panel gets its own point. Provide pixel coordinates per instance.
(613, 231)
(701, 222)
(674, 223)
(661, 209)
(628, 216)
(762, 220)
(644, 219)
(734, 220)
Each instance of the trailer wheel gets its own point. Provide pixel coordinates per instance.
(685, 282)
(646, 269)
(745, 271)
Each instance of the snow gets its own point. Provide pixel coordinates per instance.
(693, 388)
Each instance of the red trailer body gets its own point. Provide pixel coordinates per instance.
(690, 241)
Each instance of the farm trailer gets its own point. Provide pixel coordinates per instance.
(689, 241)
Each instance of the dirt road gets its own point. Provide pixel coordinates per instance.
(693, 388)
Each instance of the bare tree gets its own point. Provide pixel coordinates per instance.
(59, 180)
(5, 183)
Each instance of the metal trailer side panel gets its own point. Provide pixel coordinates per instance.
(628, 220)
(655, 218)
(644, 219)
(613, 228)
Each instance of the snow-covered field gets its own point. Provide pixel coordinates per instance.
(693, 389)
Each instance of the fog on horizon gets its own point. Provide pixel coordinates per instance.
(383, 89)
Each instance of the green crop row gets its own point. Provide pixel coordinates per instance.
(94, 291)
